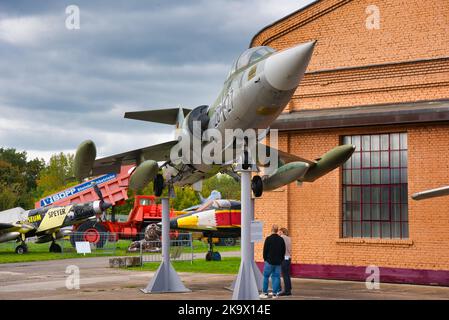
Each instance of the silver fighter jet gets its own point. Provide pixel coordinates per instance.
(260, 84)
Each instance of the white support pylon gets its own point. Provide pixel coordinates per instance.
(245, 287)
(165, 279)
(257, 274)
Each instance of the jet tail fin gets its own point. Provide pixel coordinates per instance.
(173, 116)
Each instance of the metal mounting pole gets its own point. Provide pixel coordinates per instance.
(165, 279)
(257, 274)
(245, 285)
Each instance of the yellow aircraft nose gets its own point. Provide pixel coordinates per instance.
(185, 222)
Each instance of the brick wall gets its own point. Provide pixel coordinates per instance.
(314, 209)
(385, 65)
(406, 60)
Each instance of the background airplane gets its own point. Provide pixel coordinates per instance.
(46, 223)
(214, 195)
(260, 84)
(432, 193)
(216, 218)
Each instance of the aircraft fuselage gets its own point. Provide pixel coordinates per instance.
(253, 96)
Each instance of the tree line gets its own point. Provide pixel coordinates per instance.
(24, 182)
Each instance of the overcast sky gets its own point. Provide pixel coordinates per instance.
(59, 87)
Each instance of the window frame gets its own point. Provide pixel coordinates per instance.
(356, 211)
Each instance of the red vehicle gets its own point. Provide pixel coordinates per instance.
(144, 213)
(114, 189)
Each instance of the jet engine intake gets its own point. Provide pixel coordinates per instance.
(198, 114)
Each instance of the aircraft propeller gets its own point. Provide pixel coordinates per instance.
(103, 204)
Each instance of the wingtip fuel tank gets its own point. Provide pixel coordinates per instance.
(328, 162)
(84, 159)
(143, 174)
(285, 174)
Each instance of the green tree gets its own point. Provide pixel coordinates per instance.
(9, 196)
(185, 197)
(57, 175)
(17, 178)
(228, 187)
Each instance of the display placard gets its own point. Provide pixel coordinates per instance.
(83, 247)
(256, 231)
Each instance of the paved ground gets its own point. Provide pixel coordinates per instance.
(46, 280)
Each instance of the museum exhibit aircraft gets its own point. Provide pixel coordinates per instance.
(46, 223)
(258, 88)
(432, 193)
(215, 218)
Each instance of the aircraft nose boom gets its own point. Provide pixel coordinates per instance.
(285, 69)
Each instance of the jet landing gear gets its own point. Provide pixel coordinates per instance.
(158, 185)
(56, 248)
(256, 182)
(22, 248)
(257, 186)
(211, 255)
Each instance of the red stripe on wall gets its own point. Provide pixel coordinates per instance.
(352, 273)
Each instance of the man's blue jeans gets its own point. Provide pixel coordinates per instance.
(275, 272)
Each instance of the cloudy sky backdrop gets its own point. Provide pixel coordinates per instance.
(59, 86)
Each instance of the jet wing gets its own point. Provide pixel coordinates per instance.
(285, 156)
(112, 164)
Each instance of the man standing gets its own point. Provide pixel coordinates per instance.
(286, 263)
(273, 254)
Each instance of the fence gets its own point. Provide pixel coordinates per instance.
(105, 243)
(100, 242)
(181, 249)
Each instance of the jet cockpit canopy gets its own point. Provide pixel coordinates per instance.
(250, 56)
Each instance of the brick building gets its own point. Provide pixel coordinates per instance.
(379, 78)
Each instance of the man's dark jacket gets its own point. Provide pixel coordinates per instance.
(274, 249)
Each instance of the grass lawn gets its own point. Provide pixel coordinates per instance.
(200, 246)
(228, 265)
(39, 252)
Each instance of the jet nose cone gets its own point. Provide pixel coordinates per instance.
(285, 69)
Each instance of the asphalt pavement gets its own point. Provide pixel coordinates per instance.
(53, 280)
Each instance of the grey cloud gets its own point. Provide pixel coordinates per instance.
(128, 55)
